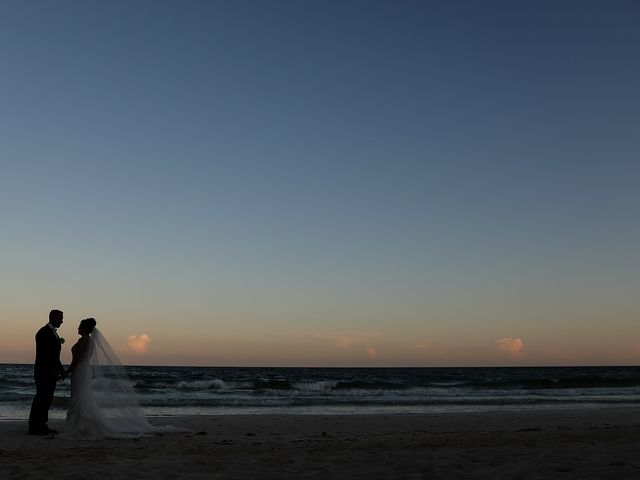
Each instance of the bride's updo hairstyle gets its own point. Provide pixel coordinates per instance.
(89, 324)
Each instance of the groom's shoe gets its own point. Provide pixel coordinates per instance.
(42, 430)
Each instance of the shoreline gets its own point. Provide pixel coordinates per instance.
(576, 443)
(57, 415)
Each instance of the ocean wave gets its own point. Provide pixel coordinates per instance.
(314, 387)
(272, 384)
(368, 385)
(16, 382)
(201, 385)
(183, 385)
(557, 383)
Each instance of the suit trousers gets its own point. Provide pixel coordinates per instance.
(45, 388)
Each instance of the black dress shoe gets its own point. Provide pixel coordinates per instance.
(44, 430)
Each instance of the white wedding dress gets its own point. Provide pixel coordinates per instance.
(103, 403)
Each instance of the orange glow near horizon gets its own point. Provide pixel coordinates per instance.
(229, 347)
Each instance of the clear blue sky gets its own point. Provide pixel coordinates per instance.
(311, 182)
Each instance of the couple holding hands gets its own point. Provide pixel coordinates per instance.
(102, 402)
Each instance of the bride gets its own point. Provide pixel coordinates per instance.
(103, 403)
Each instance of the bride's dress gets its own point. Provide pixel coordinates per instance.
(103, 403)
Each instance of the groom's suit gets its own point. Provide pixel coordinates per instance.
(47, 370)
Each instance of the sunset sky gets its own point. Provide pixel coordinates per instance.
(323, 183)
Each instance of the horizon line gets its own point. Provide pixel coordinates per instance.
(370, 367)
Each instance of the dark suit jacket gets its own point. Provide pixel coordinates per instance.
(47, 354)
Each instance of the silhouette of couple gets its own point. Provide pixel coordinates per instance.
(98, 380)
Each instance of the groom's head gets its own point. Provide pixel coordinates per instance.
(55, 318)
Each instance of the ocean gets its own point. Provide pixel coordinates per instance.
(169, 391)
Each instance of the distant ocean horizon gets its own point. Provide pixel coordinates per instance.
(179, 390)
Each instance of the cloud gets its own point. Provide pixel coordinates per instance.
(510, 346)
(371, 353)
(337, 341)
(139, 344)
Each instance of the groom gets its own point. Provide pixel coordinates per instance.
(47, 371)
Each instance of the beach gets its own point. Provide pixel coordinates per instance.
(566, 443)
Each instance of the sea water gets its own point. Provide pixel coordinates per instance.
(165, 391)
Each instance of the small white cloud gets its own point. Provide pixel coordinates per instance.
(371, 353)
(139, 344)
(510, 346)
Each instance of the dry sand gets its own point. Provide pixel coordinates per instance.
(576, 444)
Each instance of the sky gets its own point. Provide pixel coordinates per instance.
(323, 183)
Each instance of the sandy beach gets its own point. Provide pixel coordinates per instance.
(589, 443)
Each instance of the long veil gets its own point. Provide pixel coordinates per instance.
(113, 392)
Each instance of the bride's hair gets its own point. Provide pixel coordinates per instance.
(90, 323)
